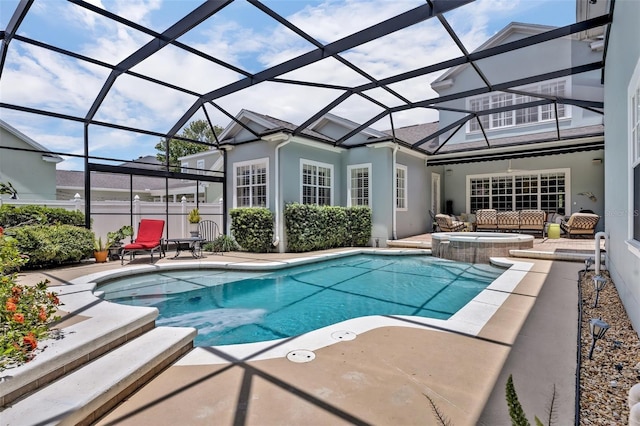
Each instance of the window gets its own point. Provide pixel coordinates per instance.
(359, 185)
(200, 167)
(401, 187)
(521, 116)
(250, 179)
(543, 190)
(316, 183)
(184, 168)
(634, 154)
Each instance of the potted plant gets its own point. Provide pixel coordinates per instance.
(194, 220)
(114, 240)
(100, 251)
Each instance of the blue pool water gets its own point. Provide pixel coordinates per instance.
(230, 307)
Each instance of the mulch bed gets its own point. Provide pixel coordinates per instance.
(605, 380)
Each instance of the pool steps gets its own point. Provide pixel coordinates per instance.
(88, 393)
(94, 333)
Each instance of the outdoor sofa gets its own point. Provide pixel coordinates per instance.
(519, 220)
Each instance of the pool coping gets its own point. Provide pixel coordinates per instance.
(469, 320)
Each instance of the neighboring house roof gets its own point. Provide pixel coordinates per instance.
(17, 133)
(74, 179)
(149, 162)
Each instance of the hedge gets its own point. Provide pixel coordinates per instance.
(11, 216)
(312, 227)
(57, 244)
(252, 228)
(47, 235)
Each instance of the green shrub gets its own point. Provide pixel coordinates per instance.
(12, 216)
(223, 243)
(359, 219)
(313, 227)
(45, 245)
(26, 312)
(252, 228)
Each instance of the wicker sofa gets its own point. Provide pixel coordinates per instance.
(520, 220)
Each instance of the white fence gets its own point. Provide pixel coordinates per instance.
(110, 216)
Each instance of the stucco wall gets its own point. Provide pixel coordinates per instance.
(623, 57)
(416, 219)
(32, 177)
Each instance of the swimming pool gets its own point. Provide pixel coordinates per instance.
(230, 307)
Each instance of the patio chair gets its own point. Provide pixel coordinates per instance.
(434, 222)
(149, 239)
(446, 224)
(580, 224)
(208, 229)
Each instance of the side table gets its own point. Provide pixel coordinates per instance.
(194, 245)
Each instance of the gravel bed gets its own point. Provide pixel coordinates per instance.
(605, 379)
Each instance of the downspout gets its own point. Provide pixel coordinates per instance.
(394, 193)
(279, 223)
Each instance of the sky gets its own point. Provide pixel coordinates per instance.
(239, 35)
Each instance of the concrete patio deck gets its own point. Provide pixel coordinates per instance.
(385, 375)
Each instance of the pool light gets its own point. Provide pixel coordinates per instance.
(598, 284)
(597, 328)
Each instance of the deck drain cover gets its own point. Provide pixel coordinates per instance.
(301, 355)
(343, 335)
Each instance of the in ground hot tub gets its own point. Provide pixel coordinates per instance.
(477, 247)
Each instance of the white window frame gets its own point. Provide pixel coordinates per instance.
(350, 168)
(200, 167)
(507, 119)
(256, 162)
(633, 94)
(184, 167)
(317, 164)
(402, 201)
(539, 173)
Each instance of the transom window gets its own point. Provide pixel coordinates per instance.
(317, 183)
(401, 187)
(250, 178)
(537, 190)
(521, 116)
(359, 185)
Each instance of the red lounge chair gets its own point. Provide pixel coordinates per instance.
(149, 239)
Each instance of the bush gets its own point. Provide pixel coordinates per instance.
(45, 245)
(25, 311)
(313, 227)
(12, 216)
(223, 243)
(252, 228)
(359, 219)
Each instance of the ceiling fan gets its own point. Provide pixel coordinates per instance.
(512, 170)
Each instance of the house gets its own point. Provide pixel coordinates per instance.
(270, 165)
(542, 156)
(622, 161)
(27, 165)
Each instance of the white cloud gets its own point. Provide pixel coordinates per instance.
(46, 80)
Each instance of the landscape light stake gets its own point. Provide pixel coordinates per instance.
(598, 284)
(597, 328)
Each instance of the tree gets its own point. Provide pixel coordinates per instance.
(197, 130)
